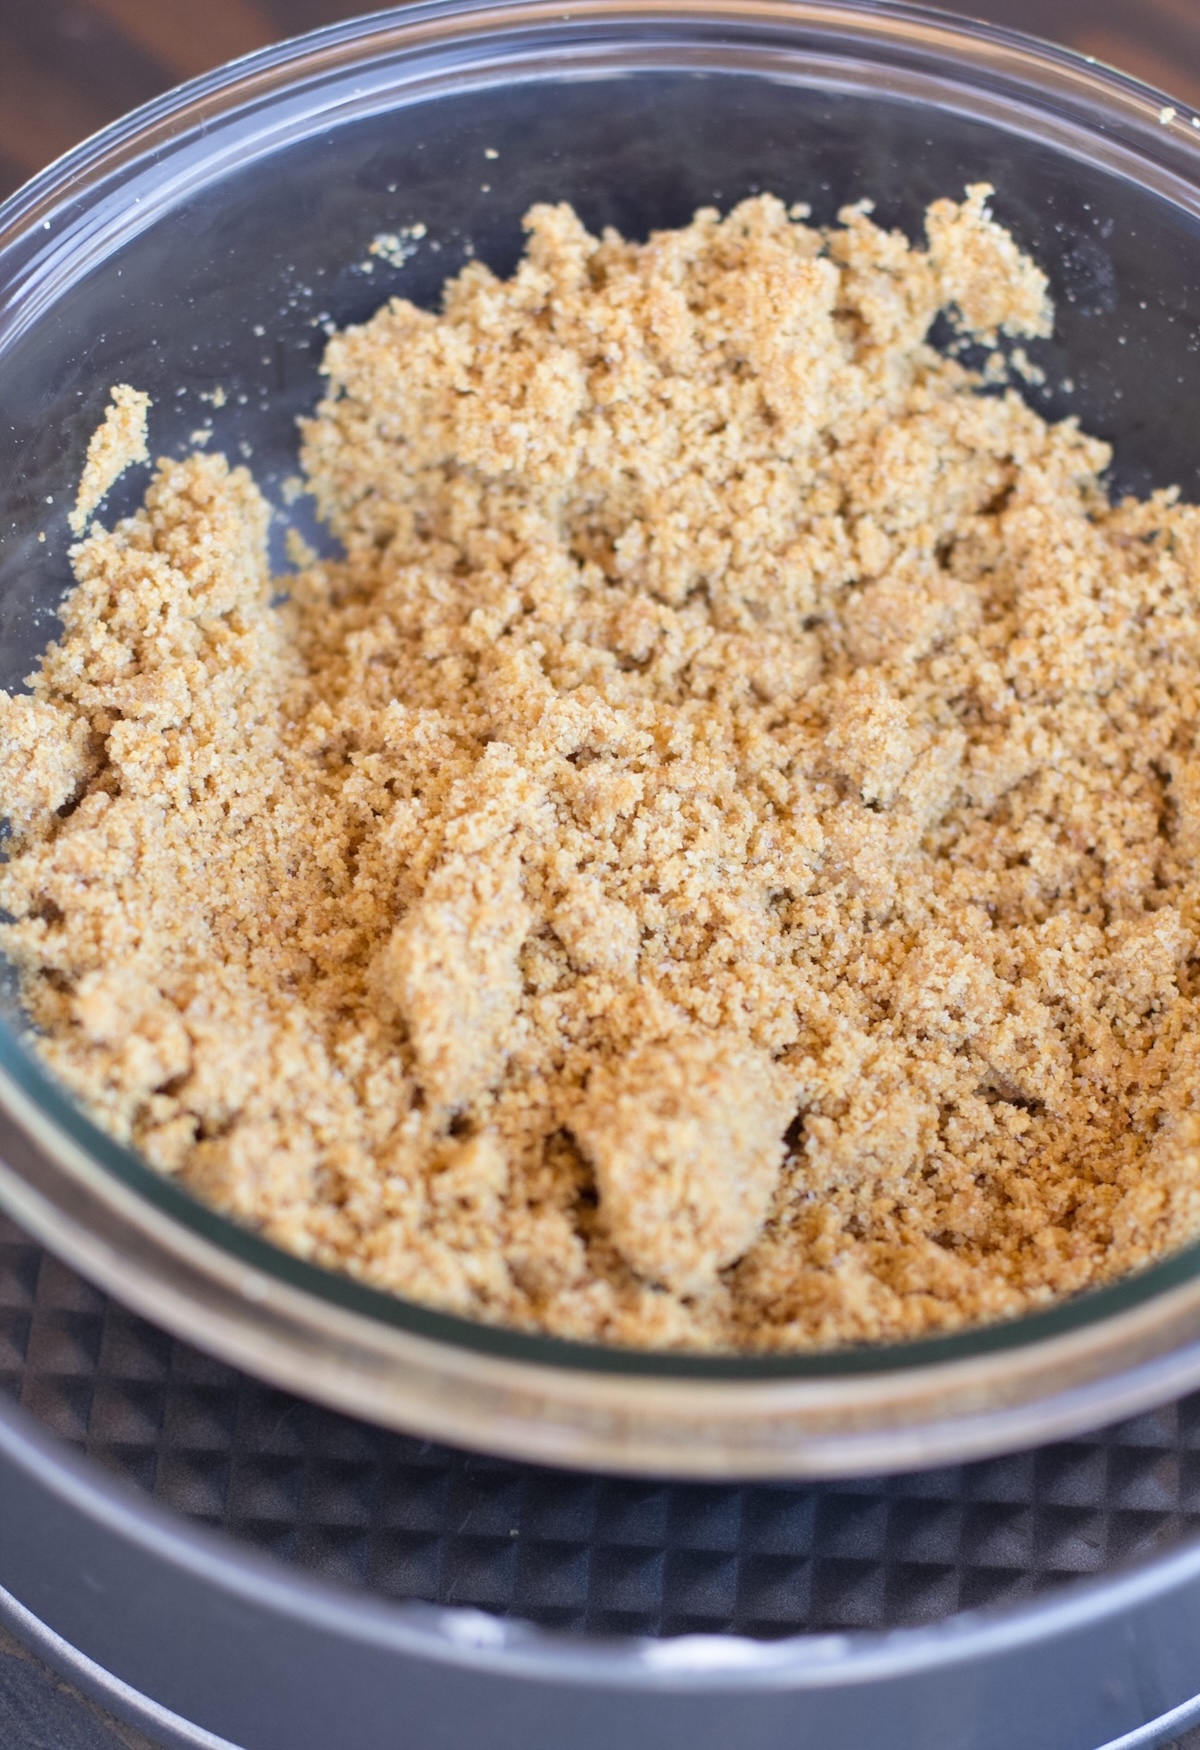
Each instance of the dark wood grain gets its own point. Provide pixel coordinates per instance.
(39, 1711)
(69, 66)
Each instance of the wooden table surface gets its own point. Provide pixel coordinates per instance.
(69, 66)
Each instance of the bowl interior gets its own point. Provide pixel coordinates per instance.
(216, 301)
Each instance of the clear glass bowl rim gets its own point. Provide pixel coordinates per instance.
(1121, 114)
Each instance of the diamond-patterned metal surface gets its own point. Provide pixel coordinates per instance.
(409, 1519)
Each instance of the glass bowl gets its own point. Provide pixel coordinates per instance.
(204, 243)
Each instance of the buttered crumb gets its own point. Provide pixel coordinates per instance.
(715, 865)
(115, 445)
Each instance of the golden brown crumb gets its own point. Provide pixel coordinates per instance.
(115, 445)
(686, 1138)
(715, 864)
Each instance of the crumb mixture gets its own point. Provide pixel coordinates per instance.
(118, 443)
(717, 862)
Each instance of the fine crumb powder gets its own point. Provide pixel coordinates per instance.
(714, 866)
(115, 445)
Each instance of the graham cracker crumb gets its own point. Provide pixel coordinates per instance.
(118, 443)
(714, 866)
(686, 1138)
(300, 553)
